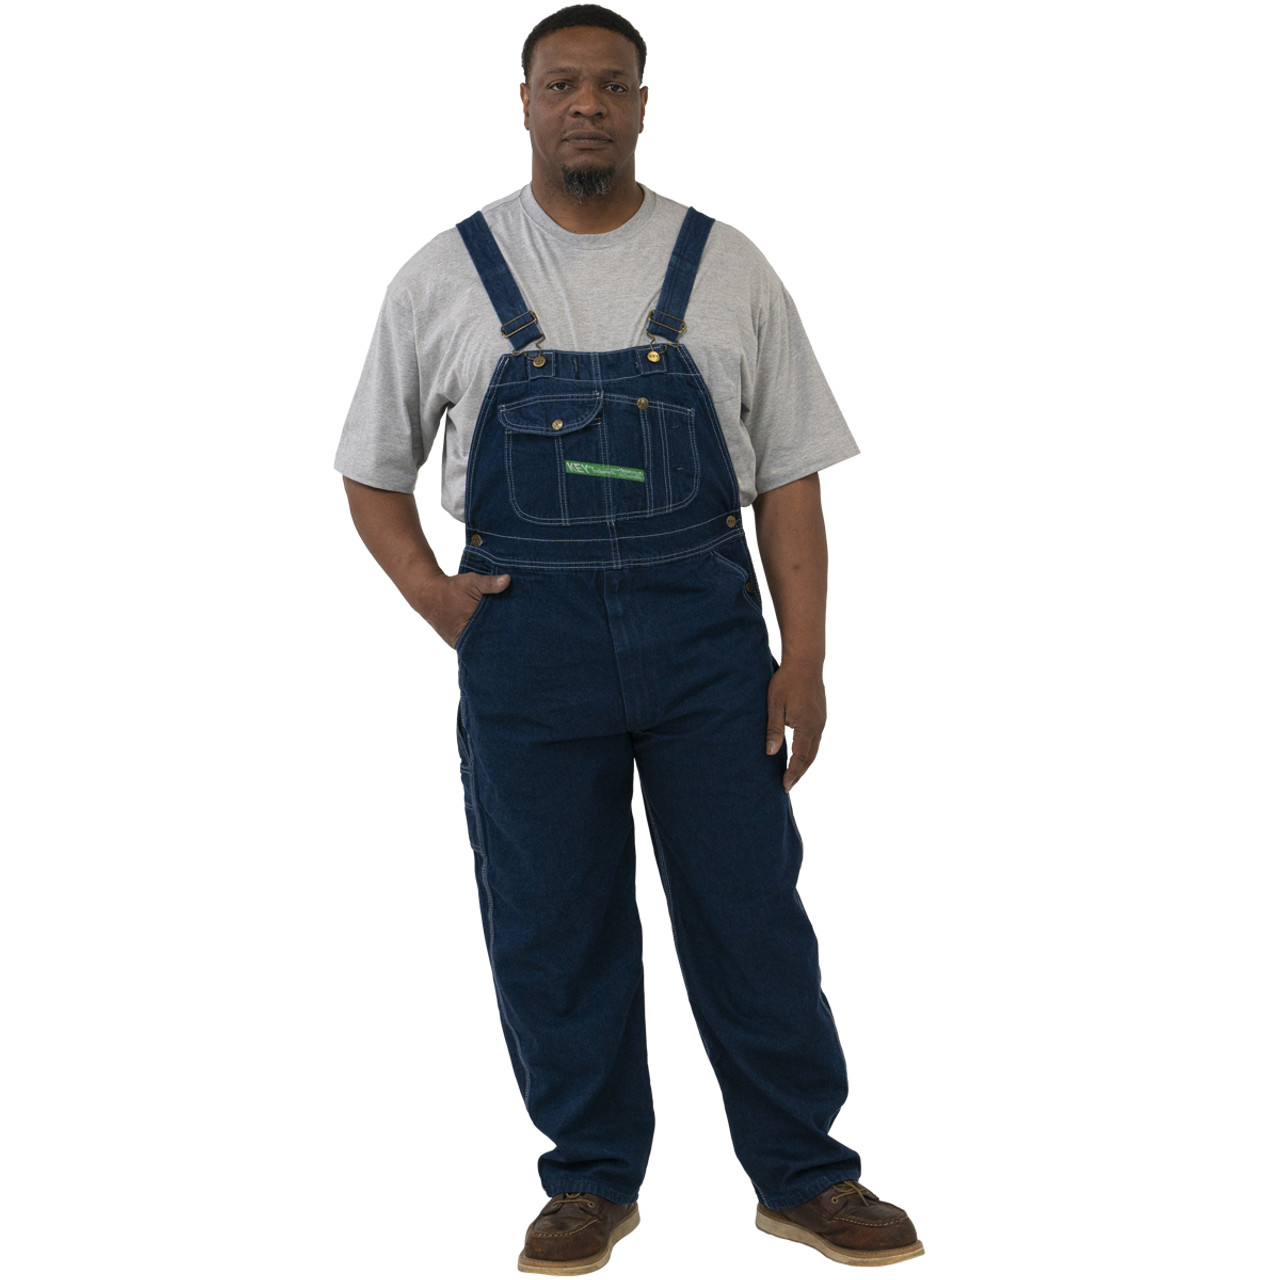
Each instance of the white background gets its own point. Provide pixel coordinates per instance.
(249, 1028)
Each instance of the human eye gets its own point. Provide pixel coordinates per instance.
(558, 84)
(620, 88)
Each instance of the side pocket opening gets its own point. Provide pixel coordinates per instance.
(736, 558)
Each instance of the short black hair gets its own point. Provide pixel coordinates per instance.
(582, 15)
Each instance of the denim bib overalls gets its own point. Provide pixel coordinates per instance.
(631, 639)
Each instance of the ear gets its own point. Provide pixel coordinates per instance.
(524, 99)
(644, 98)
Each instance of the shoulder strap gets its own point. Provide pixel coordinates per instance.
(499, 283)
(667, 319)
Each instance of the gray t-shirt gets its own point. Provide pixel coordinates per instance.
(437, 342)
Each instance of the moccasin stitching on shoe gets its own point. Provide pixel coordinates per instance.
(869, 1232)
(575, 1249)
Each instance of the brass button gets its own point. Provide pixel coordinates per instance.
(476, 539)
(751, 588)
(732, 522)
(539, 361)
(556, 425)
(642, 403)
(654, 356)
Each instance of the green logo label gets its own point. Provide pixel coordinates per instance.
(599, 469)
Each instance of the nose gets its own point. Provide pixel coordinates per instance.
(588, 101)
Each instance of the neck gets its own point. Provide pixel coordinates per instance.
(596, 214)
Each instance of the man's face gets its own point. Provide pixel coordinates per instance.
(583, 107)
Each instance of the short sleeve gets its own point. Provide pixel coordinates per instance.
(384, 443)
(788, 411)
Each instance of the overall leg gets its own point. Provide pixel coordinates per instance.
(730, 854)
(548, 778)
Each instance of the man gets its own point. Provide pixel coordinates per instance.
(618, 374)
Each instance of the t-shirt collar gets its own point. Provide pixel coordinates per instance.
(543, 221)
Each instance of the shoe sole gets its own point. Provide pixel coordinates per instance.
(785, 1229)
(581, 1266)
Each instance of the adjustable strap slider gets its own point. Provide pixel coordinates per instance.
(523, 321)
(655, 323)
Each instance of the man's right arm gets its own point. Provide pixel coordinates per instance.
(389, 526)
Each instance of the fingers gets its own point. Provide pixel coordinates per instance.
(491, 584)
(804, 749)
(797, 700)
(775, 726)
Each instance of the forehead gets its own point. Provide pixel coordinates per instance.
(592, 49)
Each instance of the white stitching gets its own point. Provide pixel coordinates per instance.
(554, 566)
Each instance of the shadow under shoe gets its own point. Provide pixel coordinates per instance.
(848, 1224)
(575, 1233)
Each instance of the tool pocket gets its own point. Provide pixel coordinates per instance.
(578, 457)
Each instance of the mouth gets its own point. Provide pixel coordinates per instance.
(587, 139)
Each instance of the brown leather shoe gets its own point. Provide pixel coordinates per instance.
(575, 1233)
(848, 1224)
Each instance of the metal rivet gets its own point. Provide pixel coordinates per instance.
(732, 521)
(751, 588)
(539, 361)
(556, 425)
(642, 403)
(654, 356)
(476, 539)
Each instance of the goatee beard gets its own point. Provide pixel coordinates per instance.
(587, 184)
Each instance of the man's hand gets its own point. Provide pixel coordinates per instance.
(793, 546)
(797, 699)
(388, 523)
(453, 598)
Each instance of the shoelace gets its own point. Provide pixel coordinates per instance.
(848, 1188)
(580, 1197)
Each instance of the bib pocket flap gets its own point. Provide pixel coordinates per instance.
(553, 415)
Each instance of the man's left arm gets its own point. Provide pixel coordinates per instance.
(793, 547)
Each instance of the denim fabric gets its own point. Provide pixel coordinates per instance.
(667, 318)
(631, 640)
(519, 324)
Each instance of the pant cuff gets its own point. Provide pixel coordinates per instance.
(619, 1195)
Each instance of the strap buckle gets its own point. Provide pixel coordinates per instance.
(662, 324)
(506, 330)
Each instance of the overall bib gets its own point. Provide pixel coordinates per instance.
(631, 639)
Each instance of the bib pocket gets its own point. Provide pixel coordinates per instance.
(587, 457)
